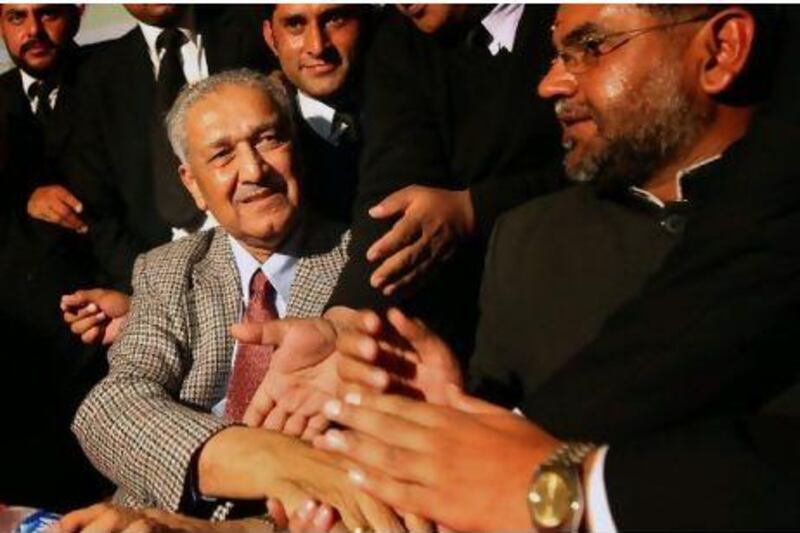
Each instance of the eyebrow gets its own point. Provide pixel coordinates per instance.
(580, 33)
(225, 140)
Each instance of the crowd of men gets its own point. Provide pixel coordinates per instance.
(438, 266)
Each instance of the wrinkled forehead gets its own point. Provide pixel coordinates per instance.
(575, 21)
(230, 112)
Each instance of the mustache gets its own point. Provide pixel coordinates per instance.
(568, 111)
(246, 192)
(27, 45)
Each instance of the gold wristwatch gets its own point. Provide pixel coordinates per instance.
(555, 497)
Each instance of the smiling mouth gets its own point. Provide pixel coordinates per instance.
(261, 194)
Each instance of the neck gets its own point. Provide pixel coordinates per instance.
(729, 125)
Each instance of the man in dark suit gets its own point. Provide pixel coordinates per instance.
(454, 135)
(654, 309)
(320, 48)
(120, 164)
(40, 261)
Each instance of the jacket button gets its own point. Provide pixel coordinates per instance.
(673, 223)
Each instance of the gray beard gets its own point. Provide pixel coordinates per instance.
(657, 123)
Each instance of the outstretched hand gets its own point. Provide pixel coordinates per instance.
(465, 465)
(432, 223)
(403, 357)
(96, 315)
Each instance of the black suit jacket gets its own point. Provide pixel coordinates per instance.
(330, 172)
(441, 114)
(692, 377)
(109, 165)
(48, 371)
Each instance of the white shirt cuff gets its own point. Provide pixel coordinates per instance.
(598, 513)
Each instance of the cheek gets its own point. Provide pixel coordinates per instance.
(57, 32)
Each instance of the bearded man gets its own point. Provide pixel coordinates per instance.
(650, 308)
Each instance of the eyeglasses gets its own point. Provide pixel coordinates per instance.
(587, 51)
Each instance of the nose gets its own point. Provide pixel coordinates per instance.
(558, 82)
(316, 40)
(33, 26)
(253, 167)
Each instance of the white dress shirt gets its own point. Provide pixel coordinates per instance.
(318, 115)
(27, 82)
(502, 23)
(193, 52)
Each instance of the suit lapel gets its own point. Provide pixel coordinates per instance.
(218, 293)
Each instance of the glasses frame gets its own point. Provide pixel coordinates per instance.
(575, 62)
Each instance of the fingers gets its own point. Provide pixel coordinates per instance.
(416, 524)
(469, 404)
(295, 425)
(276, 419)
(393, 204)
(80, 326)
(405, 231)
(354, 372)
(266, 333)
(73, 314)
(317, 424)
(404, 496)
(312, 516)
(74, 521)
(258, 409)
(76, 299)
(403, 266)
(344, 318)
(278, 513)
(63, 215)
(392, 419)
(396, 461)
(378, 515)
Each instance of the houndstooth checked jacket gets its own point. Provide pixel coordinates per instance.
(142, 424)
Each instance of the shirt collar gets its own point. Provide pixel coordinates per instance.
(27, 81)
(502, 23)
(279, 268)
(681, 174)
(317, 114)
(186, 26)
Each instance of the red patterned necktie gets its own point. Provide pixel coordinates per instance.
(252, 360)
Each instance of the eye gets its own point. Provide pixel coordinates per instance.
(51, 14)
(15, 17)
(294, 24)
(221, 156)
(268, 140)
(336, 21)
(593, 46)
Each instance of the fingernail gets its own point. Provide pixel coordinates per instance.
(375, 211)
(335, 440)
(323, 517)
(101, 316)
(378, 281)
(332, 408)
(353, 398)
(379, 378)
(306, 509)
(92, 308)
(365, 347)
(356, 476)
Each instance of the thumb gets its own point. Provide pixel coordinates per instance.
(264, 333)
(469, 404)
(391, 205)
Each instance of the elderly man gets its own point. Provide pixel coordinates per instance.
(162, 424)
(39, 261)
(650, 308)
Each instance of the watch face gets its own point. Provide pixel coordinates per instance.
(551, 500)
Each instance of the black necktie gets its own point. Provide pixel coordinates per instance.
(344, 128)
(40, 91)
(173, 202)
(478, 38)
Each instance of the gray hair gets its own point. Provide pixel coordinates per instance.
(271, 86)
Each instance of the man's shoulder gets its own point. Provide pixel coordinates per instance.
(324, 238)
(178, 258)
(103, 59)
(11, 81)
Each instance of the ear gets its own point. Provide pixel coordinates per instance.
(191, 185)
(728, 42)
(266, 29)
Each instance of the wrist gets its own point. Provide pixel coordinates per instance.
(467, 211)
